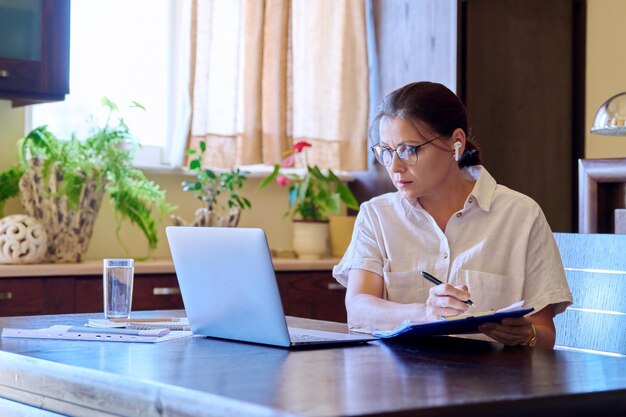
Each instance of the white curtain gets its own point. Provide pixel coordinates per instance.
(266, 73)
(180, 106)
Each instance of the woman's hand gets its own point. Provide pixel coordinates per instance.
(512, 331)
(524, 331)
(446, 300)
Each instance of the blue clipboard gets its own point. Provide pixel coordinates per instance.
(470, 324)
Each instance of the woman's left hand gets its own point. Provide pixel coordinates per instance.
(512, 331)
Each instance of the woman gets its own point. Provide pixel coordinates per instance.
(449, 218)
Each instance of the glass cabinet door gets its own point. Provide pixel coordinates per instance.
(34, 50)
(20, 29)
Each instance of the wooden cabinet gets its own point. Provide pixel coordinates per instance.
(312, 294)
(82, 294)
(34, 51)
(27, 296)
(150, 292)
(309, 294)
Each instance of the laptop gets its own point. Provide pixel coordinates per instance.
(229, 288)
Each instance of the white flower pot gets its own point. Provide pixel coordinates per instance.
(310, 239)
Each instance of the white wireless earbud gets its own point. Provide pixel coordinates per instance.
(457, 146)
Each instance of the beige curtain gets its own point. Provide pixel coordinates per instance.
(266, 73)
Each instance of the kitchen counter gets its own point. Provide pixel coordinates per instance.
(158, 266)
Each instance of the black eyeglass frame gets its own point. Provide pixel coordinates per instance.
(411, 149)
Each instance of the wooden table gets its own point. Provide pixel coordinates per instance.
(209, 377)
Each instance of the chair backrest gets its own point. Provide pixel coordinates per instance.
(595, 267)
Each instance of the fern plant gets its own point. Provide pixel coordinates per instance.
(106, 157)
(9, 185)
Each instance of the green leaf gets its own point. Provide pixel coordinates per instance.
(202, 146)
(315, 171)
(334, 203)
(347, 197)
(333, 177)
(190, 151)
(108, 103)
(270, 177)
(210, 174)
(137, 105)
(9, 185)
(194, 164)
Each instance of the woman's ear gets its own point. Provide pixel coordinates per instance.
(458, 142)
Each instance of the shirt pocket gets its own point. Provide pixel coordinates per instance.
(405, 287)
(489, 290)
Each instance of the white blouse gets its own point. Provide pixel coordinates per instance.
(499, 245)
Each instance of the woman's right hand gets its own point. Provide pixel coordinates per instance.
(446, 300)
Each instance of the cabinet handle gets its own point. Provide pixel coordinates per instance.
(6, 295)
(165, 291)
(335, 286)
(4, 73)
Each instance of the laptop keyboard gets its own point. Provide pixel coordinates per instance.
(303, 337)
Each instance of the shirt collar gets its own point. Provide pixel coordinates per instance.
(483, 191)
(484, 188)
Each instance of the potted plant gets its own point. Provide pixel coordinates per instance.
(219, 192)
(313, 196)
(61, 183)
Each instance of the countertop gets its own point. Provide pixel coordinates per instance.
(158, 266)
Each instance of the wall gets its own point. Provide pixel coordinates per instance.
(605, 76)
(605, 71)
(268, 205)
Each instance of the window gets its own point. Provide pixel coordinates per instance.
(127, 51)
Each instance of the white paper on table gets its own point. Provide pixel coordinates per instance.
(62, 332)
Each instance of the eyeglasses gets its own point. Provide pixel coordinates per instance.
(406, 153)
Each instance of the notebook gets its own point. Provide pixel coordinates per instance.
(461, 324)
(180, 324)
(229, 288)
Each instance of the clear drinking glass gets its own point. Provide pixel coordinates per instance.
(117, 281)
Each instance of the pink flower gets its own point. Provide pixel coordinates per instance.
(297, 147)
(289, 161)
(282, 180)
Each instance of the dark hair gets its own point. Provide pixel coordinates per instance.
(433, 104)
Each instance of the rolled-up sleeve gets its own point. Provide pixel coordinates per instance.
(545, 281)
(364, 250)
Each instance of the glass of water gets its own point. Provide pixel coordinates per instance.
(117, 281)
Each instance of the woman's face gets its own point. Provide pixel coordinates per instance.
(434, 160)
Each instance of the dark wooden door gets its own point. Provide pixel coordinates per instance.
(520, 77)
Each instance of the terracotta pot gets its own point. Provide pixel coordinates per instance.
(310, 239)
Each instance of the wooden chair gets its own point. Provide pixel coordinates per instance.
(595, 267)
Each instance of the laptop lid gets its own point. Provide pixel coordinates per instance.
(229, 288)
(227, 281)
